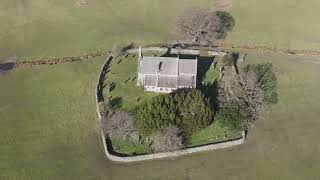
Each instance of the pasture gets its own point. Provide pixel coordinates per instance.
(43, 28)
(47, 113)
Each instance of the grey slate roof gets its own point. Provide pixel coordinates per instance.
(169, 65)
(151, 80)
(168, 72)
(187, 66)
(187, 81)
(168, 81)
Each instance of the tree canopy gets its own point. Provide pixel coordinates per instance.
(266, 80)
(202, 26)
(188, 109)
(167, 139)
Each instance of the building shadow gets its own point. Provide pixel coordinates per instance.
(204, 64)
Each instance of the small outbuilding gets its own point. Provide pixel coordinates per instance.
(166, 74)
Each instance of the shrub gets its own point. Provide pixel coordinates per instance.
(167, 139)
(233, 117)
(119, 125)
(266, 80)
(227, 23)
(187, 109)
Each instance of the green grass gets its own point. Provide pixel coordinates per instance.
(125, 95)
(212, 134)
(47, 130)
(211, 75)
(47, 114)
(276, 24)
(128, 147)
(46, 28)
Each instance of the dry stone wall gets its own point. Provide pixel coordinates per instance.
(177, 51)
(172, 154)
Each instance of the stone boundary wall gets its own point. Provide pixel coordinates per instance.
(62, 60)
(100, 83)
(27, 63)
(171, 154)
(126, 159)
(177, 51)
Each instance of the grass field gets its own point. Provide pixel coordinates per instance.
(46, 28)
(47, 130)
(47, 113)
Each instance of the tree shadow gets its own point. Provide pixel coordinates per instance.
(227, 23)
(116, 102)
(235, 58)
(7, 65)
(211, 92)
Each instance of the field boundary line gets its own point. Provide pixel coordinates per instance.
(221, 49)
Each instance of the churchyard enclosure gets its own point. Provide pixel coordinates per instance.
(123, 93)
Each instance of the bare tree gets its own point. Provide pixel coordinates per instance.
(167, 139)
(245, 91)
(197, 26)
(119, 124)
(250, 94)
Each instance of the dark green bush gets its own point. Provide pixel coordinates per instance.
(266, 80)
(232, 116)
(227, 23)
(187, 109)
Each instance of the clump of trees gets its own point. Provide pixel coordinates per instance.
(242, 99)
(187, 109)
(167, 139)
(202, 26)
(166, 120)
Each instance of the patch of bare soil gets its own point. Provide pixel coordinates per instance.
(223, 5)
(82, 2)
